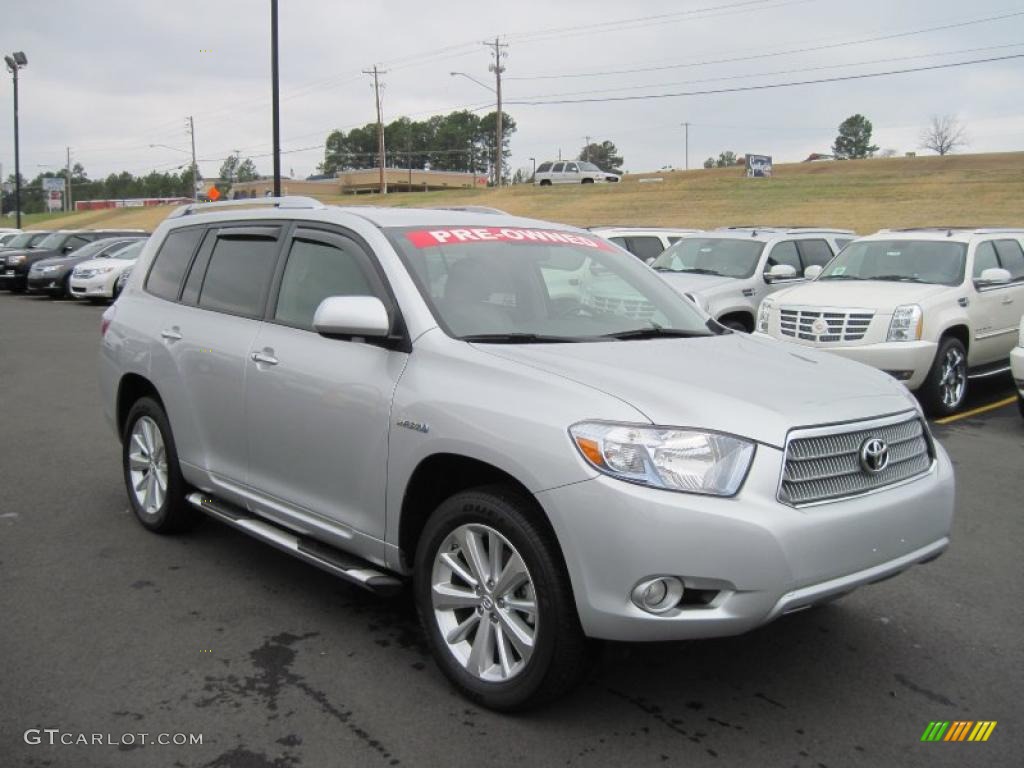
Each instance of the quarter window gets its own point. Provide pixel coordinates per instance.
(571, 168)
(1011, 258)
(316, 270)
(239, 272)
(171, 262)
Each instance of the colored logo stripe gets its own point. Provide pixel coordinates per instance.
(958, 730)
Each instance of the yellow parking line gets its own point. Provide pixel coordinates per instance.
(976, 411)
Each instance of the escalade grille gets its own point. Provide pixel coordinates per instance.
(839, 325)
(828, 466)
(635, 309)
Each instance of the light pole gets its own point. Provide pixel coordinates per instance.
(533, 176)
(275, 98)
(16, 61)
(492, 90)
(195, 194)
(686, 128)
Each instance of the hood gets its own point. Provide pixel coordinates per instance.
(692, 282)
(55, 261)
(118, 264)
(879, 295)
(733, 383)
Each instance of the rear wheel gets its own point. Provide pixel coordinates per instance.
(587, 181)
(545, 182)
(495, 601)
(945, 389)
(156, 489)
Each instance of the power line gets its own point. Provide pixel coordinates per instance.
(768, 86)
(808, 49)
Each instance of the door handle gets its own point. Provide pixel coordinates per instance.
(264, 358)
(1008, 300)
(171, 334)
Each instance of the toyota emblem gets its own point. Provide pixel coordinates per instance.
(874, 455)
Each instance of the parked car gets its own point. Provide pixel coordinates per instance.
(63, 242)
(392, 393)
(646, 243)
(935, 308)
(571, 172)
(1017, 366)
(8, 233)
(25, 239)
(97, 279)
(53, 276)
(729, 271)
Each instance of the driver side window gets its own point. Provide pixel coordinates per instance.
(984, 258)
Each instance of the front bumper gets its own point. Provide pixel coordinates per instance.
(759, 558)
(11, 279)
(46, 283)
(1017, 366)
(911, 359)
(96, 287)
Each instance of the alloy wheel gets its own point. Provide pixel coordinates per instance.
(484, 602)
(953, 381)
(147, 465)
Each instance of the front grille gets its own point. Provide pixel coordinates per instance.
(835, 325)
(823, 467)
(83, 273)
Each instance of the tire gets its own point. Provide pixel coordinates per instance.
(945, 388)
(587, 181)
(1020, 404)
(545, 183)
(508, 680)
(736, 325)
(161, 513)
(67, 289)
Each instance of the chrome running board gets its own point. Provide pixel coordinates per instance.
(323, 556)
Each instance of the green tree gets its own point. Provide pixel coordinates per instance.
(854, 139)
(488, 137)
(604, 155)
(726, 159)
(246, 171)
(709, 163)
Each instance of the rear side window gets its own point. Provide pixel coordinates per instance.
(557, 168)
(645, 248)
(543, 167)
(571, 168)
(316, 270)
(239, 273)
(814, 252)
(784, 253)
(1011, 257)
(171, 262)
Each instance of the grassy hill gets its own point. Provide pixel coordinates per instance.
(864, 195)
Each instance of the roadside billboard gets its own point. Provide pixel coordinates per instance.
(759, 166)
(51, 184)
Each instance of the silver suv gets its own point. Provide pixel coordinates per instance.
(396, 394)
(729, 271)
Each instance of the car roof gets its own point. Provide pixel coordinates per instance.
(287, 208)
(958, 234)
(635, 229)
(763, 234)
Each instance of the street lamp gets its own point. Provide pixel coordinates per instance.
(533, 176)
(470, 77)
(16, 61)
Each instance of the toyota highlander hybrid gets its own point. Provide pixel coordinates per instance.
(935, 308)
(419, 394)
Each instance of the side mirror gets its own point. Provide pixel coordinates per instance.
(780, 272)
(993, 276)
(351, 316)
(68, 249)
(650, 260)
(812, 271)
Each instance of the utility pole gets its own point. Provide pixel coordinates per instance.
(586, 150)
(497, 69)
(380, 122)
(195, 168)
(67, 184)
(686, 127)
(275, 98)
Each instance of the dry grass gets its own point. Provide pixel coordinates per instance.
(864, 195)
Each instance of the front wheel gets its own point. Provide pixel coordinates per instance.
(945, 389)
(156, 489)
(495, 601)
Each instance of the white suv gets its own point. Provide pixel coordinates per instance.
(932, 307)
(646, 243)
(729, 271)
(571, 172)
(1017, 365)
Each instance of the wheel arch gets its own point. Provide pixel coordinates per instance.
(960, 332)
(130, 389)
(744, 316)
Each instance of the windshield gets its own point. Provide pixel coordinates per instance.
(725, 257)
(589, 167)
(90, 250)
(531, 285)
(911, 261)
(52, 242)
(129, 251)
(25, 240)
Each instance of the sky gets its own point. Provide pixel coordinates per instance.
(112, 78)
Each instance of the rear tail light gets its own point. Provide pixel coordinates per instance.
(108, 318)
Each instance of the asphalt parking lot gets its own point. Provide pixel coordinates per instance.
(105, 628)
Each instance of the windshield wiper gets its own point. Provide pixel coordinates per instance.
(840, 277)
(898, 278)
(700, 271)
(518, 338)
(654, 332)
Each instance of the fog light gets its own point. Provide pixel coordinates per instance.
(659, 594)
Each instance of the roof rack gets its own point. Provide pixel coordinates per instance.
(659, 228)
(275, 202)
(469, 209)
(997, 230)
(787, 229)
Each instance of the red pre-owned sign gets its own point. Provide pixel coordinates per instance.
(429, 238)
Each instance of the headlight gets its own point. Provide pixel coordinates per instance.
(102, 270)
(674, 459)
(48, 270)
(12, 260)
(906, 323)
(764, 315)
